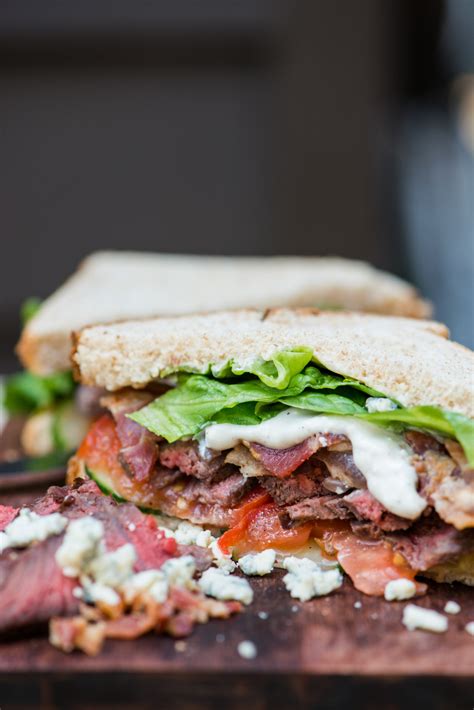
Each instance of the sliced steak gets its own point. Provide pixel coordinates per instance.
(140, 456)
(139, 452)
(319, 508)
(306, 482)
(366, 530)
(341, 466)
(365, 507)
(162, 477)
(185, 456)
(430, 542)
(123, 522)
(32, 586)
(225, 493)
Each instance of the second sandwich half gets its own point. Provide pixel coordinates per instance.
(291, 428)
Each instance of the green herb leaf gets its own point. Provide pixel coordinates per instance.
(29, 308)
(26, 393)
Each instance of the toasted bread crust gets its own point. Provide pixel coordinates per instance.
(112, 286)
(411, 361)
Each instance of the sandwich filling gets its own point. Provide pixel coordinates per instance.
(283, 452)
(54, 410)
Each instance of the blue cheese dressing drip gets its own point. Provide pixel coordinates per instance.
(382, 456)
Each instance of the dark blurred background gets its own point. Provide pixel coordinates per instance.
(249, 127)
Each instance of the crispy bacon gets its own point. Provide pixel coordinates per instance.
(177, 617)
(449, 488)
(282, 462)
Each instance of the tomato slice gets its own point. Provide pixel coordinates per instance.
(369, 564)
(255, 499)
(260, 529)
(100, 448)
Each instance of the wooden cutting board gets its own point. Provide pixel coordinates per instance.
(313, 652)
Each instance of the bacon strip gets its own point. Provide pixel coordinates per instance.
(282, 462)
(177, 617)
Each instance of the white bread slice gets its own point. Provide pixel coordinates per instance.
(409, 360)
(111, 286)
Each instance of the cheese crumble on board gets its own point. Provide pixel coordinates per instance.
(417, 617)
(306, 579)
(258, 564)
(247, 650)
(452, 607)
(399, 589)
(216, 583)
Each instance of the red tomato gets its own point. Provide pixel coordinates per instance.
(100, 448)
(260, 529)
(369, 564)
(255, 499)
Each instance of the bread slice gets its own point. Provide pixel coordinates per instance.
(111, 286)
(409, 360)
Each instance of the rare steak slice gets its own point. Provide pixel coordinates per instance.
(324, 507)
(32, 585)
(139, 452)
(185, 456)
(306, 482)
(430, 542)
(365, 507)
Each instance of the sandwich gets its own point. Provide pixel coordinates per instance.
(347, 434)
(112, 286)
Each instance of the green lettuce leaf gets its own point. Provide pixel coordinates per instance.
(26, 393)
(251, 395)
(435, 419)
(29, 308)
(198, 399)
(278, 371)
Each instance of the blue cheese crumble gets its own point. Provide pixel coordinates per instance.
(258, 564)
(306, 579)
(216, 583)
(417, 617)
(29, 527)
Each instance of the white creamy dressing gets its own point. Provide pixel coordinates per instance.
(381, 455)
